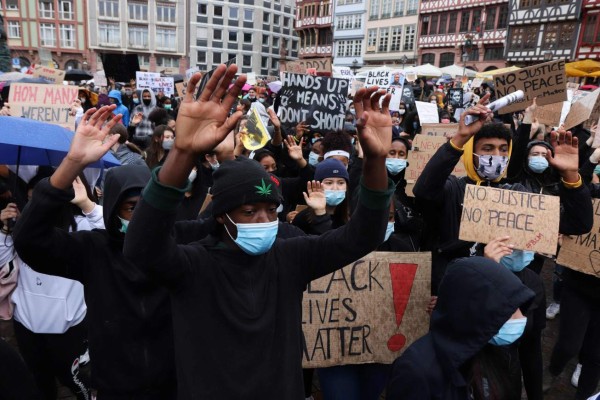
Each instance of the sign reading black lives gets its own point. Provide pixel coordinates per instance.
(317, 100)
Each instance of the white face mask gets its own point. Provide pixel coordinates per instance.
(402, 112)
(192, 176)
(491, 167)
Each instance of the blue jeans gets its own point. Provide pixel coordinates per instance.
(354, 382)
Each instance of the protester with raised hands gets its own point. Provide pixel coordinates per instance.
(485, 149)
(236, 299)
(130, 336)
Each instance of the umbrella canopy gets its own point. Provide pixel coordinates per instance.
(275, 86)
(176, 78)
(427, 70)
(573, 72)
(594, 74)
(457, 70)
(584, 65)
(77, 75)
(12, 76)
(27, 142)
(489, 75)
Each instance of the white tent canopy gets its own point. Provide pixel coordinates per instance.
(427, 70)
(456, 70)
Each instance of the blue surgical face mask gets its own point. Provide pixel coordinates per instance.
(415, 125)
(395, 165)
(509, 332)
(136, 101)
(334, 197)
(538, 164)
(313, 158)
(124, 225)
(389, 230)
(167, 106)
(518, 260)
(314, 140)
(597, 170)
(167, 144)
(255, 239)
(491, 167)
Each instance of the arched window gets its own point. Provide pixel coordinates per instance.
(71, 64)
(428, 58)
(446, 59)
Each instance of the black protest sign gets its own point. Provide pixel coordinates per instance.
(317, 100)
(207, 76)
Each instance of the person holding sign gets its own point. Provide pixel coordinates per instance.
(479, 311)
(485, 149)
(236, 298)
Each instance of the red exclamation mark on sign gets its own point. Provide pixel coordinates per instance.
(403, 276)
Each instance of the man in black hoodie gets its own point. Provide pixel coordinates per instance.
(237, 299)
(131, 338)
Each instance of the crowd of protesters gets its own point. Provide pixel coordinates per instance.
(180, 273)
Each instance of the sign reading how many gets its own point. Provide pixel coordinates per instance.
(47, 103)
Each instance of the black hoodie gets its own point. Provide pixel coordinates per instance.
(130, 336)
(477, 296)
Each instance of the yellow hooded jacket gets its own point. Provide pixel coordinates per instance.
(467, 159)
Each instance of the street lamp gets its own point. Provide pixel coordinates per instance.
(465, 58)
(354, 66)
(548, 55)
(404, 59)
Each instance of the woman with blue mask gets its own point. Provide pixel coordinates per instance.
(477, 316)
(530, 344)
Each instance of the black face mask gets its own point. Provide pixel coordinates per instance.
(146, 101)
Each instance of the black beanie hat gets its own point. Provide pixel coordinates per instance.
(241, 181)
(539, 143)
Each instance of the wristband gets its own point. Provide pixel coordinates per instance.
(573, 185)
(455, 147)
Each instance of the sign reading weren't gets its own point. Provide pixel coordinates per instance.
(530, 219)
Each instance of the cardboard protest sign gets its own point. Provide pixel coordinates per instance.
(549, 114)
(54, 76)
(476, 83)
(189, 72)
(100, 79)
(446, 130)
(428, 113)
(572, 85)
(423, 148)
(545, 81)
(582, 253)
(582, 109)
(343, 72)
(395, 86)
(378, 77)
(165, 84)
(530, 219)
(181, 88)
(301, 66)
(355, 86)
(47, 103)
(368, 312)
(254, 135)
(319, 101)
(144, 80)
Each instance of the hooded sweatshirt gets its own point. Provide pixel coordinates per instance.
(144, 128)
(476, 297)
(121, 109)
(131, 339)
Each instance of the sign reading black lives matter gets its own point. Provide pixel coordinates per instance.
(369, 311)
(317, 100)
(530, 219)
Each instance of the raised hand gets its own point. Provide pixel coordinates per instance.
(202, 124)
(11, 212)
(374, 123)
(498, 248)
(300, 129)
(274, 119)
(81, 198)
(137, 118)
(92, 140)
(315, 197)
(294, 150)
(466, 132)
(566, 155)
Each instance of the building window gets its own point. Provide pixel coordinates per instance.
(476, 20)
(398, 8)
(144, 60)
(589, 30)
(275, 20)
(493, 53)
(490, 18)
(349, 48)
(67, 36)
(558, 36)
(138, 11)
(202, 9)
(218, 11)
(247, 37)
(374, 9)
(464, 21)
(14, 29)
(267, 18)
(286, 22)
(217, 34)
(48, 35)
(412, 7)
(474, 54)
(248, 15)
(168, 62)
(12, 5)
(371, 40)
(264, 62)
(247, 60)
(274, 64)
(165, 38)
(446, 59)
(384, 36)
(275, 42)
(233, 12)
(433, 27)
(109, 34)
(524, 37)
(396, 38)
(452, 24)
(66, 9)
(443, 23)
(165, 14)
(138, 36)
(503, 16)
(265, 40)
(386, 8)
(233, 36)
(428, 58)
(216, 58)
(409, 37)
(425, 25)
(46, 8)
(201, 56)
